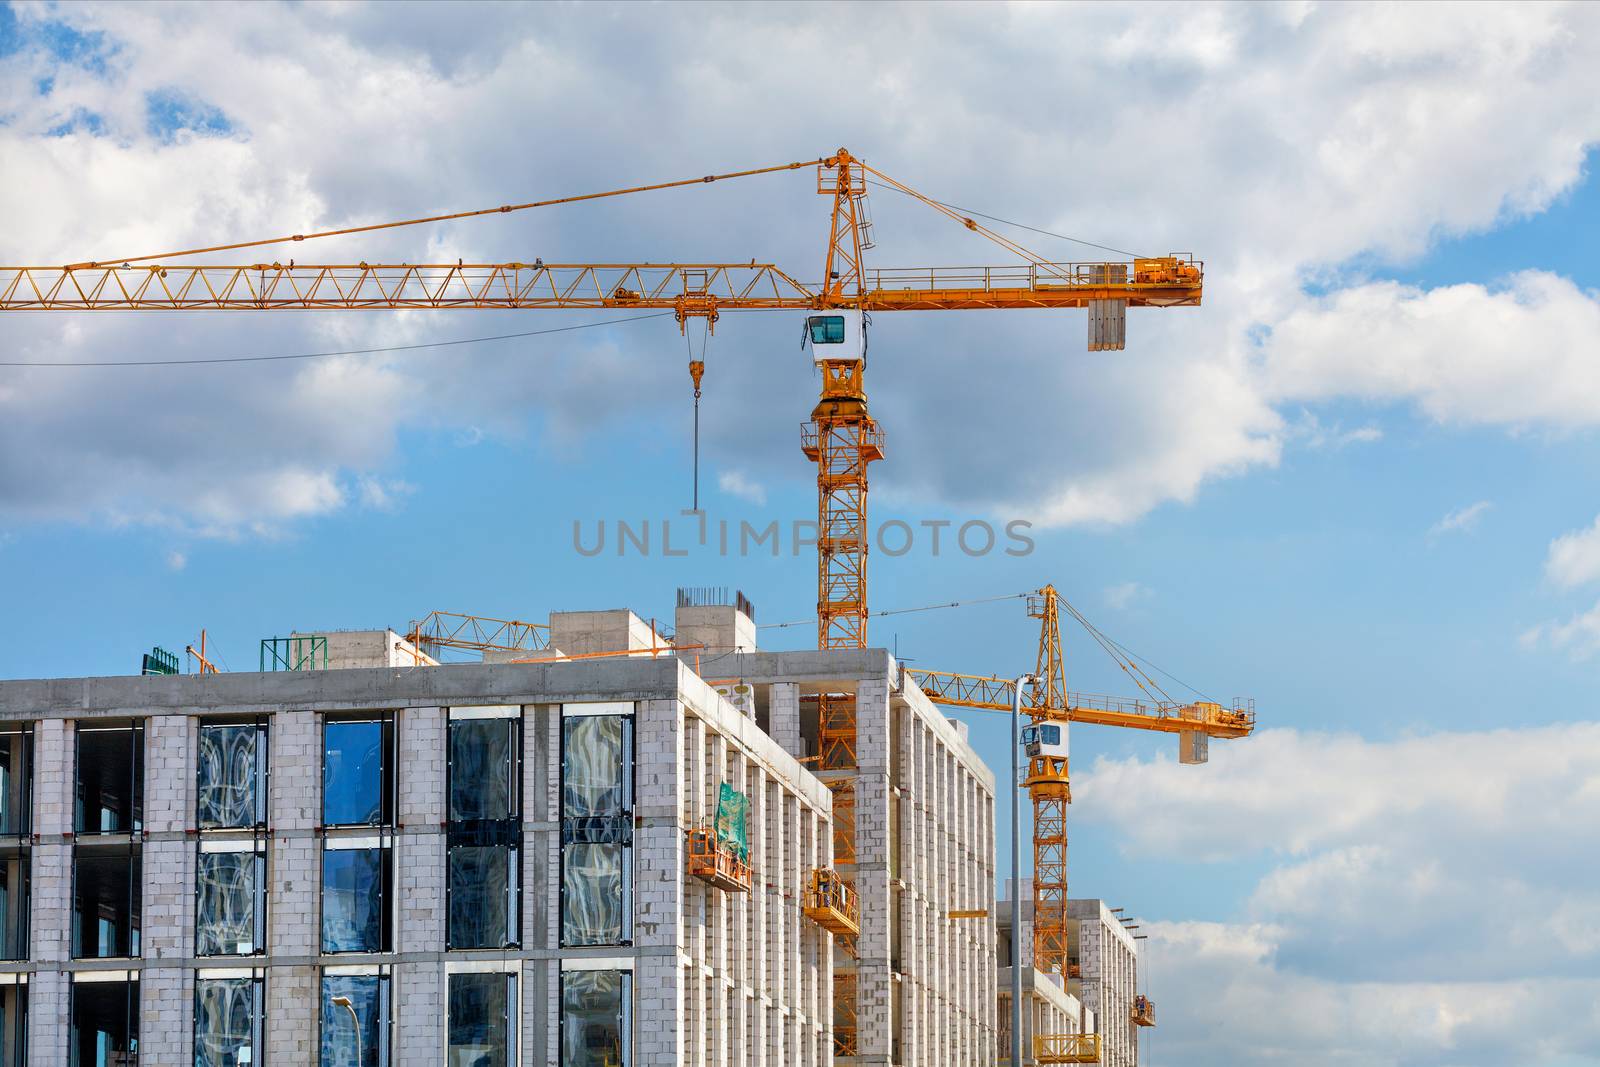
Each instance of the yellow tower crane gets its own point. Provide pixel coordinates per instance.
(841, 438)
(1051, 708)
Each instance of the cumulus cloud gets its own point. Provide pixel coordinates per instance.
(1461, 520)
(1515, 354)
(1574, 558)
(1578, 636)
(1360, 131)
(1412, 885)
(1125, 595)
(736, 483)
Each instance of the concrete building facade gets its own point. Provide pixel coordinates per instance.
(1100, 990)
(476, 865)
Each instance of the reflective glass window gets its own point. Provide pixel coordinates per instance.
(13, 1025)
(105, 1025)
(230, 914)
(484, 893)
(596, 829)
(16, 780)
(232, 776)
(110, 785)
(595, 894)
(355, 1021)
(106, 900)
(596, 1018)
(227, 1022)
(355, 896)
(480, 1027)
(826, 329)
(357, 772)
(596, 766)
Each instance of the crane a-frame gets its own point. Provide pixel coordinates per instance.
(842, 438)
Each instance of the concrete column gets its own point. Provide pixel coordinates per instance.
(166, 1033)
(49, 998)
(541, 850)
(419, 877)
(294, 904)
(783, 716)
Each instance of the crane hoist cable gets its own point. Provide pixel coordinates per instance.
(697, 370)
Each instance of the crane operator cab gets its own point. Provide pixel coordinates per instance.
(1045, 739)
(836, 336)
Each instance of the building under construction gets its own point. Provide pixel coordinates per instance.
(361, 856)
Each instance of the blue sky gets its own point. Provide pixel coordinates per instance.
(1334, 488)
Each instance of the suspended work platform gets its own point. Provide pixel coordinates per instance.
(1066, 1048)
(1144, 1011)
(831, 903)
(718, 863)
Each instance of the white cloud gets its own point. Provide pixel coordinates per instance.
(1125, 595)
(1578, 636)
(382, 494)
(737, 483)
(1461, 520)
(1574, 558)
(1364, 131)
(1309, 431)
(1513, 355)
(1424, 900)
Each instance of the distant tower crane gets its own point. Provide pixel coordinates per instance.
(841, 437)
(1052, 709)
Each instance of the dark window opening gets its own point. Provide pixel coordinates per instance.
(227, 1022)
(355, 899)
(110, 793)
(105, 1024)
(484, 895)
(232, 788)
(13, 1025)
(16, 780)
(355, 1021)
(15, 891)
(358, 772)
(596, 1018)
(481, 1011)
(106, 901)
(484, 832)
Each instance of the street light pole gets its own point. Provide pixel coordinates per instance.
(355, 1020)
(1016, 870)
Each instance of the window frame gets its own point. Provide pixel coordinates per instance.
(263, 771)
(133, 850)
(137, 729)
(625, 1001)
(578, 830)
(16, 1050)
(254, 847)
(131, 1009)
(383, 844)
(511, 973)
(257, 977)
(501, 834)
(387, 777)
(383, 974)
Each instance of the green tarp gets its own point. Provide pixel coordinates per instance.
(733, 811)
